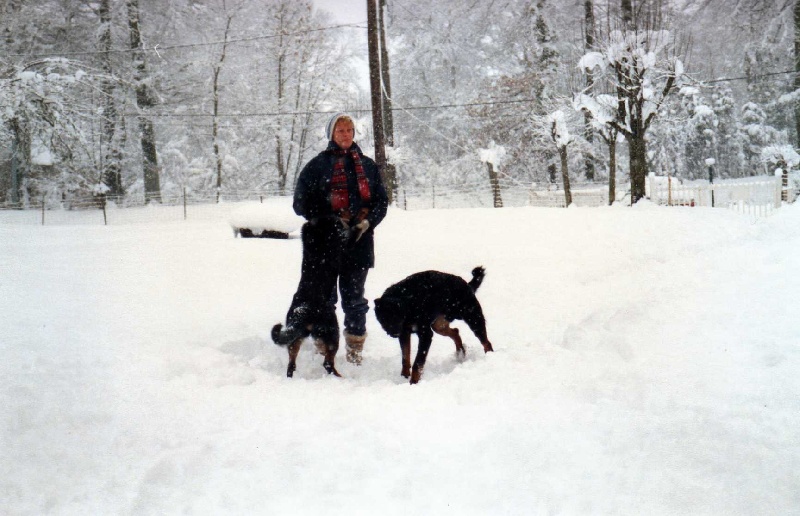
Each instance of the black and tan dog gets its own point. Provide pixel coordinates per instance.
(428, 302)
(324, 241)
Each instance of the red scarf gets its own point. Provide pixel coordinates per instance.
(340, 198)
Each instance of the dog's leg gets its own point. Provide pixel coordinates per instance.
(326, 338)
(425, 339)
(294, 349)
(329, 351)
(442, 327)
(405, 348)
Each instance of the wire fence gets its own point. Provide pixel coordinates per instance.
(757, 197)
(63, 209)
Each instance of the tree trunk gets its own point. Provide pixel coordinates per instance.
(562, 152)
(20, 159)
(638, 165)
(495, 186)
(627, 14)
(152, 183)
(551, 173)
(797, 70)
(8, 13)
(303, 133)
(298, 130)
(144, 100)
(20, 140)
(587, 117)
(388, 118)
(112, 158)
(215, 120)
(282, 172)
(612, 170)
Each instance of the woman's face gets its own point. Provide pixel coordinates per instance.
(343, 134)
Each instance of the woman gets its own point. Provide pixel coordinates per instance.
(341, 181)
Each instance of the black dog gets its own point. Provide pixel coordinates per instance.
(426, 302)
(324, 241)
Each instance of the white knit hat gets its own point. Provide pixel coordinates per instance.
(332, 123)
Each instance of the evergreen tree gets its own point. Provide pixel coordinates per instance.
(755, 134)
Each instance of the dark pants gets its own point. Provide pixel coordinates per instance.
(354, 305)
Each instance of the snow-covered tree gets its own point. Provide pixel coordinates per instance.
(589, 36)
(643, 70)
(113, 136)
(302, 66)
(529, 87)
(700, 142)
(755, 134)
(442, 57)
(561, 137)
(43, 106)
(144, 101)
(729, 148)
(759, 45)
(474, 72)
(601, 110)
(795, 101)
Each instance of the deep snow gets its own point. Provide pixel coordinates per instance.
(646, 363)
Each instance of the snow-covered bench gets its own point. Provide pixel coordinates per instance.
(267, 220)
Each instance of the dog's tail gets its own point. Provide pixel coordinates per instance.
(478, 273)
(284, 336)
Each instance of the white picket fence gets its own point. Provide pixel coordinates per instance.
(757, 196)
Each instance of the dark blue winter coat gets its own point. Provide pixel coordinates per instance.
(312, 199)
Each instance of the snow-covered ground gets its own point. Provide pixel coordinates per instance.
(647, 362)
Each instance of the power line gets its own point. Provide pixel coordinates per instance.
(407, 108)
(728, 79)
(329, 112)
(159, 48)
(359, 25)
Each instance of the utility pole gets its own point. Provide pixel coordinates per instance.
(377, 93)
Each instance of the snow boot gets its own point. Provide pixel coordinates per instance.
(355, 345)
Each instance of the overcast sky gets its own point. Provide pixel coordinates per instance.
(345, 11)
(352, 11)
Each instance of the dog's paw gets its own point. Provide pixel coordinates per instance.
(331, 369)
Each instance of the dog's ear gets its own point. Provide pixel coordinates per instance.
(389, 303)
(390, 309)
